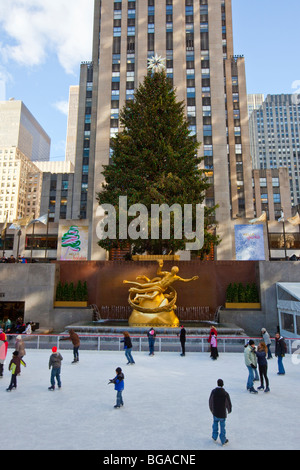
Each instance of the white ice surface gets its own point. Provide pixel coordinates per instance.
(165, 404)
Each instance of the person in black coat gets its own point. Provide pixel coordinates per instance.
(127, 347)
(219, 405)
(280, 351)
(182, 337)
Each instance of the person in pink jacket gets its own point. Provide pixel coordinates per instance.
(214, 347)
(3, 350)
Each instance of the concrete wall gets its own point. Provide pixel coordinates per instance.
(32, 284)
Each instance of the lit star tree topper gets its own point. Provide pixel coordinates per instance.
(156, 64)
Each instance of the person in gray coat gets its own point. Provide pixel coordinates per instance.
(267, 341)
(55, 363)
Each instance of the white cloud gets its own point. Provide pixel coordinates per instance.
(36, 28)
(62, 106)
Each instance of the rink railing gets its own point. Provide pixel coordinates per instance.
(163, 343)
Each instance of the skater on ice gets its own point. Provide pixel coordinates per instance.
(55, 363)
(280, 351)
(182, 338)
(76, 344)
(261, 355)
(251, 364)
(219, 405)
(118, 380)
(15, 369)
(151, 340)
(127, 347)
(3, 350)
(267, 341)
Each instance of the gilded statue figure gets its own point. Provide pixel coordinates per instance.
(154, 300)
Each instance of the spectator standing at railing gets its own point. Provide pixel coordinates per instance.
(76, 344)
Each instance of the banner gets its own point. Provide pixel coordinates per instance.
(249, 242)
(74, 243)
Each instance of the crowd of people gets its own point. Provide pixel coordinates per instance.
(12, 259)
(17, 327)
(256, 362)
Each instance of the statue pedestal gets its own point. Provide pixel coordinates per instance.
(153, 319)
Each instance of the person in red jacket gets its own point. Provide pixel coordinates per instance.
(3, 350)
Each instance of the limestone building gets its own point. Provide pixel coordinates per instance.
(19, 128)
(196, 39)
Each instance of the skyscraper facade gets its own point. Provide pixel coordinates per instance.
(19, 128)
(275, 138)
(195, 38)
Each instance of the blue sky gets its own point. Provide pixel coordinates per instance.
(42, 43)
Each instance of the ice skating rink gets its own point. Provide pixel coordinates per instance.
(165, 404)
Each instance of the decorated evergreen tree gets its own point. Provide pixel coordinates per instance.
(154, 161)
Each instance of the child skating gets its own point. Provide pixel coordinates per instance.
(15, 368)
(55, 362)
(119, 386)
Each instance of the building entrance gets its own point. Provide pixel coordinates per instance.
(13, 311)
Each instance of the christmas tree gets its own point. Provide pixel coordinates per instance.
(155, 161)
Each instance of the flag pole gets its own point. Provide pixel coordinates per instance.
(46, 250)
(268, 238)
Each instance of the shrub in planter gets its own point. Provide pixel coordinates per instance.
(70, 293)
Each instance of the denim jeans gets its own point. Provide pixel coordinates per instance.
(129, 355)
(215, 429)
(76, 353)
(151, 345)
(281, 369)
(119, 398)
(269, 351)
(250, 377)
(55, 374)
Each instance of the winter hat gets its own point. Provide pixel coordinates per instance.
(54, 349)
(19, 337)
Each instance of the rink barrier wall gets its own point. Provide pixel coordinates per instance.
(163, 343)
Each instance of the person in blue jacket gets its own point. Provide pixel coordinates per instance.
(119, 386)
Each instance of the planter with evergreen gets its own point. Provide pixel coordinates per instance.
(239, 296)
(70, 295)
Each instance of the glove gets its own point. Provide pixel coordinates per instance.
(253, 366)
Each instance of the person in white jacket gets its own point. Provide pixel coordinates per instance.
(251, 364)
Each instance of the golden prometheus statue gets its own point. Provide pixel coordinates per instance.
(153, 300)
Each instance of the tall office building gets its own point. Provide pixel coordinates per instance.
(274, 128)
(20, 129)
(196, 39)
